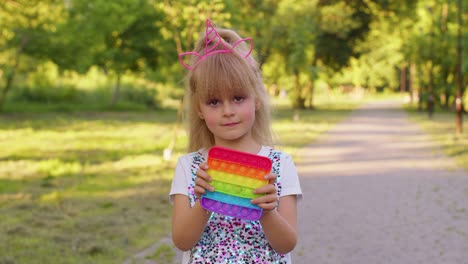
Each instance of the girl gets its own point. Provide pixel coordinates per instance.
(228, 107)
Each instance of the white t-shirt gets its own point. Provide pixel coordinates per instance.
(228, 239)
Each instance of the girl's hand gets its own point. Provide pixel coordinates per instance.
(269, 201)
(202, 181)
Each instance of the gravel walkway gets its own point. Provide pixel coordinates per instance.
(377, 190)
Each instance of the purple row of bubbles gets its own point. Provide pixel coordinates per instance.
(231, 209)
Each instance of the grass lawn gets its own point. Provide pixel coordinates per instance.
(82, 188)
(92, 187)
(442, 129)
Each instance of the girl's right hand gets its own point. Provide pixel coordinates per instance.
(202, 181)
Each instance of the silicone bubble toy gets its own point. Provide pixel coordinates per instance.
(235, 175)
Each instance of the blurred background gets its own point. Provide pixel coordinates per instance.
(91, 102)
(105, 55)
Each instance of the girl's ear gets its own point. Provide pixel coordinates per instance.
(258, 104)
(200, 115)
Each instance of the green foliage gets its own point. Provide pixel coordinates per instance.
(181, 26)
(261, 18)
(131, 97)
(46, 94)
(295, 44)
(117, 36)
(341, 24)
(147, 97)
(23, 27)
(375, 68)
(365, 43)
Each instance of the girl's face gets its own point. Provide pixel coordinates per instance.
(229, 118)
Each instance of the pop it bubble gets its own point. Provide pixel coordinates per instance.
(235, 176)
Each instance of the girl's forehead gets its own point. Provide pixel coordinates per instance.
(224, 92)
(230, 93)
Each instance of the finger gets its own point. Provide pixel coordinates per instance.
(270, 198)
(203, 184)
(267, 202)
(204, 166)
(271, 177)
(267, 206)
(199, 190)
(266, 189)
(203, 175)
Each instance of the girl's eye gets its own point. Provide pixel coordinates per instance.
(238, 99)
(213, 102)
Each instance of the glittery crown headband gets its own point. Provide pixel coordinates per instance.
(214, 44)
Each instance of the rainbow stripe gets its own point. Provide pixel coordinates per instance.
(235, 176)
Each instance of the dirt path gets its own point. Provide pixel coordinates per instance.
(377, 190)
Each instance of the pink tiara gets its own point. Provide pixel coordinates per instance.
(213, 38)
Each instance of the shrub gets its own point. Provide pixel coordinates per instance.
(43, 94)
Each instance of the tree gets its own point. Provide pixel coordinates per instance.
(24, 24)
(255, 19)
(118, 37)
(294, 39)
(341, 25)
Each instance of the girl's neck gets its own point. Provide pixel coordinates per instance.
(250, 147)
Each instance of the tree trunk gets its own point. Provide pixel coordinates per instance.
(312, 83)
(421, 92)
(460, 90)
(11, 76)
(299, 100)
(447, 95)
(403, 79)
(311, 88)
(411, 80)
(430, 92)
(116, 92)
(7, 87)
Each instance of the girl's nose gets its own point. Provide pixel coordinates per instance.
(228, 109)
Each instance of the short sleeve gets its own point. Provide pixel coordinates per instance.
(179, 182)
(289, 179)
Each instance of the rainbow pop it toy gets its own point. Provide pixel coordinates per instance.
(235, 176)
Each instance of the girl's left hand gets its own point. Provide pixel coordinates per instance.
(269, 200)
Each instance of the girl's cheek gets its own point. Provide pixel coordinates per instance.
(249, 114)
(210, 122)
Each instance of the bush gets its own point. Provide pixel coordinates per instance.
(42, 94)
(145, 96)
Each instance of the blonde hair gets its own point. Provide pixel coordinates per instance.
(225, 74)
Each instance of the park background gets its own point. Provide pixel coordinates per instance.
(91, 100)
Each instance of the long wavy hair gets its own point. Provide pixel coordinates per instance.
(220, 75)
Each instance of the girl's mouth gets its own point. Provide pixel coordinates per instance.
(230, 124)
